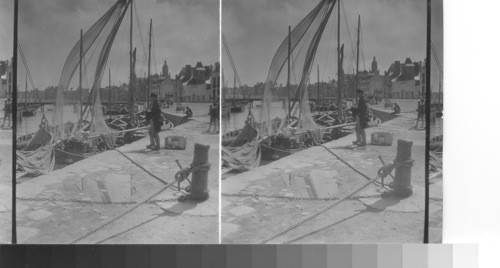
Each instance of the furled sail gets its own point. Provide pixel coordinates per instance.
(104, 29)
(306, 34)
(39, 156)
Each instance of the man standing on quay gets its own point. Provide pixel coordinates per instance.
(360, 113)
(420, 113)
(154, 117)
(7, 112)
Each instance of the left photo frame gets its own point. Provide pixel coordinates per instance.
(117, 137)
(7, 84)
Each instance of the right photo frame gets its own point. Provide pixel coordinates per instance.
(325, 120)
(436, 124)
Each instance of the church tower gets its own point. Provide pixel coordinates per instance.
(374, 66)
(164, 69)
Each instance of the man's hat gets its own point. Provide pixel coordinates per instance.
(153, 95)
(359, 91)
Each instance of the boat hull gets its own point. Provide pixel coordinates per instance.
(272, 154)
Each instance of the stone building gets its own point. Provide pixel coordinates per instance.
(6, 85)
(193, 86)
(406, 79)
(163, 85)
(372, 83)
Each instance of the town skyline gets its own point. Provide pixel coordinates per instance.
(47, 42)
(382, 25)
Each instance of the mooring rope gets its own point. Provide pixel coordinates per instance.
(353, 168)
(297, 224)
(122, 214)
(381, 173)
(141, 167)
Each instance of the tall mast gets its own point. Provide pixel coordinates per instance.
(288, 73)
(149, 58)
(234, 89)
(109, 90)
(439, 92)
(317, 94)
(357, 63)
(223, 87)
(80, 75)
(109, 86)
(131, 89)
(339, 67)
(26, 93)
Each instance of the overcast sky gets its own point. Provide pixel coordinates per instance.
(7, 22)
(437, 39)
(391, 30)
(184, 32)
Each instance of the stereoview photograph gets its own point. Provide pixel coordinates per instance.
(323, 121)
(117, 137)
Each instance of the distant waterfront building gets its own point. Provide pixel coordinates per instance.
(6, 84)
(405, 79)
(215, 81)
(372, 83)
(193, 86)
(374, 69)
(163, 85)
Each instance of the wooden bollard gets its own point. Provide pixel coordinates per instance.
(199, 178)
(402, 178)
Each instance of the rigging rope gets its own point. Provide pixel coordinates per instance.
(138, 22)
(228, 52)
(353, 59)
(21, 52)
(362, 47)
(436, 58)
(154, 52)
(119, 58)
(327, 51)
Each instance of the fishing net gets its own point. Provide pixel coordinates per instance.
(38, 157)
(245, 152)
(99, 38)
(306, 35)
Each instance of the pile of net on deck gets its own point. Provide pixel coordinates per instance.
(38, 157)
(97, 41)
(306, 35)
(244, 152)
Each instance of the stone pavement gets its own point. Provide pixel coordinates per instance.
(315, 173)
(5, 185)
(110, 177)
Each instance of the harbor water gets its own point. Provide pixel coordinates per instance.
(237, 120)
(30, 124)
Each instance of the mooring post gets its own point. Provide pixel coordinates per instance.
(402, 178)
(199, 178)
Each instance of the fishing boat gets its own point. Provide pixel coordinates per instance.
(28, 112)
(64, 141)
(298, 128)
